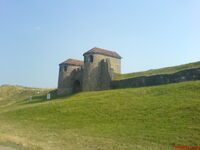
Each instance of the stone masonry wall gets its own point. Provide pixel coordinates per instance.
(67, 78)
(115, 63)
(185, 75)
(106, 74)
(97, 75)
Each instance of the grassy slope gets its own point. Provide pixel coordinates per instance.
(153, 118)
(166, 70)
(10, 94)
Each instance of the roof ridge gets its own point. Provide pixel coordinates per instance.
(96, 50)
(71, 61)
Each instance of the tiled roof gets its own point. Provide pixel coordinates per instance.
(73, 62)
(97, 50)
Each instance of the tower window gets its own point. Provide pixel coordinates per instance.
(91, 58)
(85, 59)
(65, 68)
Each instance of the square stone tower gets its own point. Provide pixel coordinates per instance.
(70, 77)
(99, 66)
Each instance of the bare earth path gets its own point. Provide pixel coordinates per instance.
(6, 148)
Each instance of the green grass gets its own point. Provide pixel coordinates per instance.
(147, 118)
(167, 70)
(10, 94)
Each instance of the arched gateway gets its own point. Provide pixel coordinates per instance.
(76, 86)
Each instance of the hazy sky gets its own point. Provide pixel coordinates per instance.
(36, 35)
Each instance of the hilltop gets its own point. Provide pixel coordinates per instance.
(166, 70)
(153, 118)
(10, 94)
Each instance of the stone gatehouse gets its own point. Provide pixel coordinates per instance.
(97, 70)
(92, 74)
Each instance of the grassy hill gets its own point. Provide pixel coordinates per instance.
(167, 70)
(147, 118)
(10, 94)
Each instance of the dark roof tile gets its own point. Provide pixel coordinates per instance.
(97, 50)
(72, 62)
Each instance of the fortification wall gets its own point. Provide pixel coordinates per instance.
(64, 76)
(106, 74)
(97, 75)
(115, 63)
(185, 75)
(67, 79)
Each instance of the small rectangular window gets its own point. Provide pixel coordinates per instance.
(65, 68)
(91, 58)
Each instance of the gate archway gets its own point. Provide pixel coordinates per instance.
(76, 86)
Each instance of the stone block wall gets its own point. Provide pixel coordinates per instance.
(115, 63)
(97, 75)
(65, 76)
(185, 75)
(67, 79)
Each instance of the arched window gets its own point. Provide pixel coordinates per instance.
(91, 58)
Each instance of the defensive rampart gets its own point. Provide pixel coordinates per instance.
(185, 75)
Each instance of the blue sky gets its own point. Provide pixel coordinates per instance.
(36, 35)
